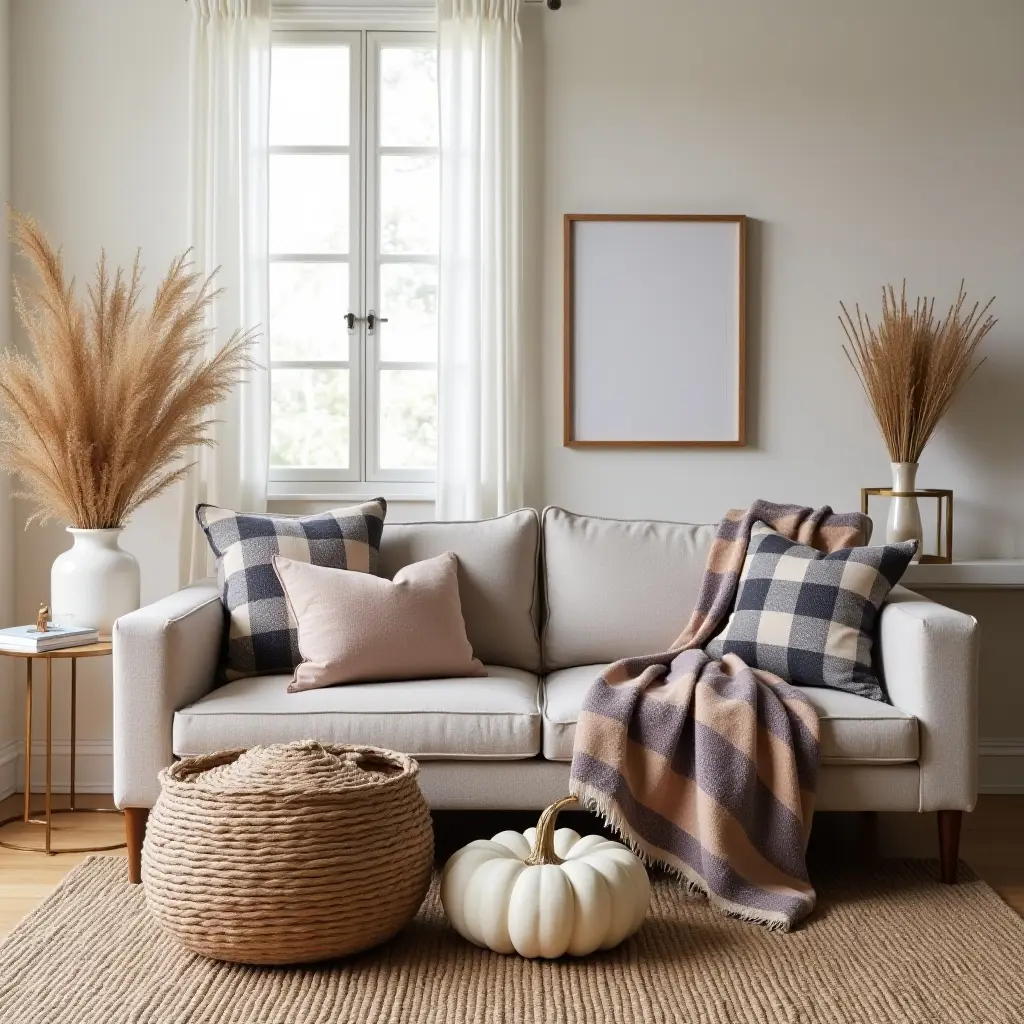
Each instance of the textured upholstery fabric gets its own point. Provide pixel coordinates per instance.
(854, 730)
(165, 656)
(497, 579)
(354, 627)
(809, 616)
(261, 634)
(616, 588)
(929, 658)
(868, 787)
(534, 785)
(493, 785)
(493, 718)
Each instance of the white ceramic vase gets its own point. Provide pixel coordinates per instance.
(94, 582)
(904, 521)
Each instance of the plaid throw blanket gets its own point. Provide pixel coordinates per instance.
(709, 768)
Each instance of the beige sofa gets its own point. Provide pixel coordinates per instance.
(548, 601)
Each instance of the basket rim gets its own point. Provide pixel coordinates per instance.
(185, 774)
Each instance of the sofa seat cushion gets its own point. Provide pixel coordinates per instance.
(497, 718)
(854, 730)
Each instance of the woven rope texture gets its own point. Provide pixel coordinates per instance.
(887, 944)
(288, 853)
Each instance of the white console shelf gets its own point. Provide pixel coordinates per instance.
(982, 573)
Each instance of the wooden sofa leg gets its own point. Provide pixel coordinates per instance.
(949, 844)
(135, 819)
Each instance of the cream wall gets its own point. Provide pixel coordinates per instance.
(1000, 614)
(9, 731)
(100, 128)
(869, 141)
(862, 156)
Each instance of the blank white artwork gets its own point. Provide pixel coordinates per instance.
(656, 331)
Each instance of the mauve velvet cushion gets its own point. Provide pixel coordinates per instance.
(359, 628)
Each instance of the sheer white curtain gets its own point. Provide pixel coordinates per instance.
(230, 105)
(480, 413)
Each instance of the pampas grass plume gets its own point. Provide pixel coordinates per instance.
(114, 396)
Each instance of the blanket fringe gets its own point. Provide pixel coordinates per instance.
(598, 802)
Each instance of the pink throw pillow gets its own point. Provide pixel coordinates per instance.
(356, 628)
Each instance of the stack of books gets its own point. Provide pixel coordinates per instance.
(29, 640)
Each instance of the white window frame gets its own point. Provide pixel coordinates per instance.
(374, 258)
(363, 478)
(354, 364)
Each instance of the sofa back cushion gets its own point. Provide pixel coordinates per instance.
(497, 579)
(616, 588)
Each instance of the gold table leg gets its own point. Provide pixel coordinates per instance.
(49, 750)
(74, 716)
(49, 810)
(28, 739)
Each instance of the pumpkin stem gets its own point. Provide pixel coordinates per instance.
(543, 851)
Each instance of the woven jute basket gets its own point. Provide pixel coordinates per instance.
(288, 853)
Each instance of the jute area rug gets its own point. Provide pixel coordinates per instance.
(892, 945)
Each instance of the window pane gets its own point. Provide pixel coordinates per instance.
(309, 199)
(408, 298)
(409, 192)
(309, 96)
(408, 96)
(309, 418)
(408, 419)
(308, 303)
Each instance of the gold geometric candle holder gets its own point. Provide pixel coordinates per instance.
(943, 553)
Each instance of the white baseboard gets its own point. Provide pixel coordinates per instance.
(1001, 767)
(10, 759)
(94, 767)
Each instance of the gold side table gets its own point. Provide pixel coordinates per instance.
(72, 654)
(943, 554)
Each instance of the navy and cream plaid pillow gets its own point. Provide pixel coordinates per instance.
(808, 616)
(261, 636)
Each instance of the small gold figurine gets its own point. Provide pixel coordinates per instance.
(44, 614)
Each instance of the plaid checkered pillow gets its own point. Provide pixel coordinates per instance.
(807, 616)
(262, 637)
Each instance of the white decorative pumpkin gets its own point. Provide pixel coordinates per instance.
(543, 893)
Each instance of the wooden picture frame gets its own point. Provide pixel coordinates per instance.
(682, 384)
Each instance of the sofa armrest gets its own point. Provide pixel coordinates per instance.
(929, 656)
(165, 656)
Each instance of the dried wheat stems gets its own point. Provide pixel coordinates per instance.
(911, 365)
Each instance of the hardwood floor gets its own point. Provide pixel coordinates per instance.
(26, 879)
(993, 844)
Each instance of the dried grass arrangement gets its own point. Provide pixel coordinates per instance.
(101, 416)
(912, 365)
